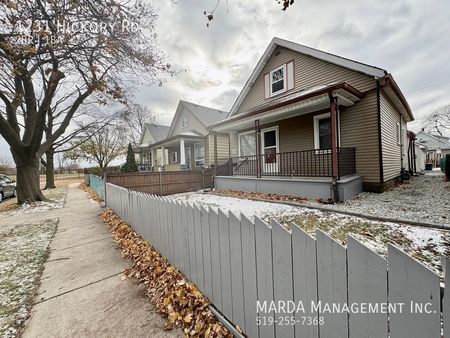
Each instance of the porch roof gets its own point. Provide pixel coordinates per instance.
(302, 102)
(174, 140)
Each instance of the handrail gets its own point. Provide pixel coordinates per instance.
(312, 163)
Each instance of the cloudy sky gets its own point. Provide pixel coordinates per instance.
(408, 38)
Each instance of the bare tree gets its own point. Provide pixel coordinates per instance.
(101, 148)
(439, 120)
(54, 56)
(79, 133)
(132, 119)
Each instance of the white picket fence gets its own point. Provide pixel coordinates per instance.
(235, 262)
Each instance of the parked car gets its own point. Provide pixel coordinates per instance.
(7, 187)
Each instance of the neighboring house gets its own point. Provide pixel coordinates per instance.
(437, 146)
(151, 134)
(314, 124)
(188, 144)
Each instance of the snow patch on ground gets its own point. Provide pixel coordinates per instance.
(22, 255)
(57, 198)
(237, 206)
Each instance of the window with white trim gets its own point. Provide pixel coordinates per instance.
(184, 121)
(199, 154)
(278, 80)
(399, 134)
(174, 157)
(322, 131)
(247, 143)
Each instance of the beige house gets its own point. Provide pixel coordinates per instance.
(314, 124)
(188, 144)
(151, 134)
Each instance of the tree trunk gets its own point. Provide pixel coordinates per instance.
(28, 189)
(49, 170)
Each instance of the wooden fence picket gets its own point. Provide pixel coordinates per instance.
(332, 284)
(263, 237)
(249, 274)
(215, 259)
(225, 265)
(410, 281)
(237, 283)
(367, 283)
(206, 253)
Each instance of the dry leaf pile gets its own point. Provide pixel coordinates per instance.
(92, 194)
(260, 196)
(175, 298)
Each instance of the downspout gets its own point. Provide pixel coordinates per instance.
(380, 146)
(402, 166)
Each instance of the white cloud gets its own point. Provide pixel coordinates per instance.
(409, 38)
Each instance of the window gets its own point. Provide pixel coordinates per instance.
(399, 134)
(199, 154)
(247, 144)
(322, 131)
(278, 80)
(174, 157)
(184, 121)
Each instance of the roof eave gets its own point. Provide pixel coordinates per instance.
(328, 90)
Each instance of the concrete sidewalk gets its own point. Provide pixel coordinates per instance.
(81, 292)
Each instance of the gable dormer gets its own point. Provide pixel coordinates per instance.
(185, 121)
(287, 67)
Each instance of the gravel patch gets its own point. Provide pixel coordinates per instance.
(23, 252)
(425, 198)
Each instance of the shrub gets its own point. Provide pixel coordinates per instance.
(130, 165)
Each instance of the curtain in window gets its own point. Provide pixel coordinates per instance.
(247, 144)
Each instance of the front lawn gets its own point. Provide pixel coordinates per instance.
(23, 252)
(425, 244)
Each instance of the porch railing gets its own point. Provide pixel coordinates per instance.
(310, 163)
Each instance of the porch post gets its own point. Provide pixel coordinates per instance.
(163, 150)
(334, 148)
(182, 153)
(215, 154)
(154, 155)
(258, 149)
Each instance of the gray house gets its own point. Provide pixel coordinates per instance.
(437, 146)
(188, 145)
(151, 134)
(314, 124)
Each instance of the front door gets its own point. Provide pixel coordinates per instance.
(270, 149)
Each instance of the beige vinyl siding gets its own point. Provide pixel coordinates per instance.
(159, 156)
(359, 129)
(147, 137)
(391, 150)
(223, 147)
(308, 72)
(194, 124)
